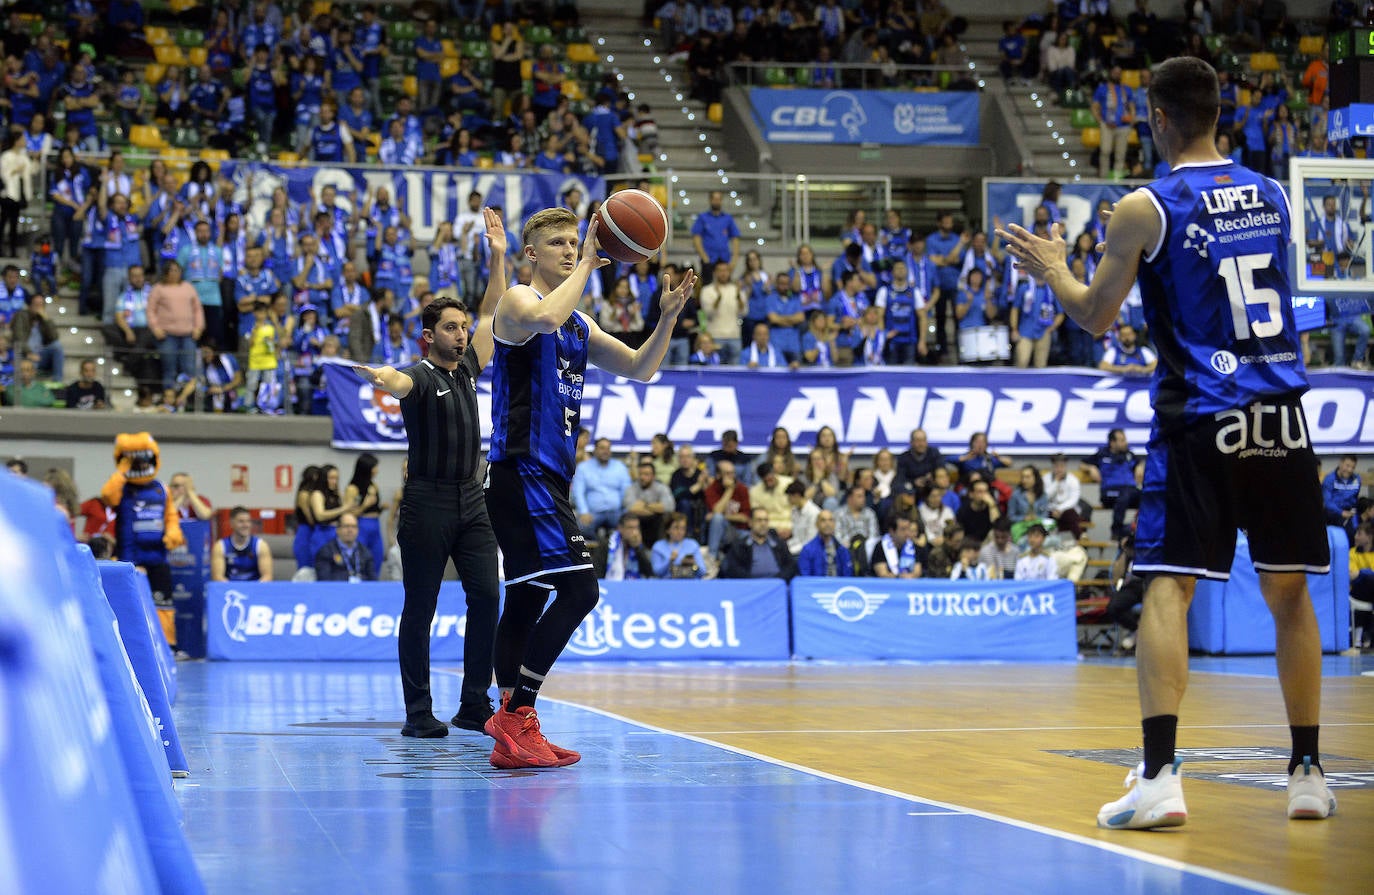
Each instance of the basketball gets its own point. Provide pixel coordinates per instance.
(632, 226)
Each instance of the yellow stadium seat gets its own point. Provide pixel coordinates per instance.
(582, 53)
(449, 48)
(287, 157)
(527, 69)
(1243, 97)
(659, 192)
(448, 67)
(496, 32)
(1092, 137)
(646, 158)
(170, 55)
(197, 56)
(214, 155)
(158, 36)
(1132, 137)
(180, 6)
(714, 113)
(1312, 44)
(410, 86)
(146, 136)
(573, 91)
(1131, 78)
(178, 153)
(485, 161)
(1264, 62)
(152, 72)
(321, 8)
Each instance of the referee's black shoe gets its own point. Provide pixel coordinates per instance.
(425, 728)
(473, 715)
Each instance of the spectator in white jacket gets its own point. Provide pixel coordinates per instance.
(1062, 488)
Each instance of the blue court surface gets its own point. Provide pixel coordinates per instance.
(300, 782)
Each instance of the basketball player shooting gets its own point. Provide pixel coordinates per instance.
(543, 346)
(1229, 447)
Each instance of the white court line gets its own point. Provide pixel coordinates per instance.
(1167, 863)
(1133, 727)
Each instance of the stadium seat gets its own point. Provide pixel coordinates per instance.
(1081, 118)
(287, 158)
(526, 69)
(321, 8)
(1130, 77)
(582, 53)
(112, 134)
(714, 113)
(1260, 62)
(472, 31)
(484, 161)
(157, 36)
(482, 68)
(410, 86)
(147, 136)
(572, 90)
(197, 55)
(214, 156)
(1312, 44)
(153, 72)
(801, 76)
(448, 48)
(448, 67)
(190, 37)
(538, 35)
(180, 6)
(477, 49)
(1073, 99)
(1092, 137)
(170, 55)
(589, 72)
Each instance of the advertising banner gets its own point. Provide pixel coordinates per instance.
(892, 117)
(429, 196)
(634, 620)
(190, 570)
(924, 619)
(1027, 412)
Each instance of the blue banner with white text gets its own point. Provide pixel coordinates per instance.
(932, 619)
(634, 620)
(892, 117)
(1027, 412)
(190, 565)
(428, 196)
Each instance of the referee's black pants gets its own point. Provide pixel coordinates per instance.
(440, 520)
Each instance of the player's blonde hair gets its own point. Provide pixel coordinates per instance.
(548, 219)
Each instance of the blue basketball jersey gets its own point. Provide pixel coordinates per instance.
(1216, 293)
(241, 565)
(536, 397)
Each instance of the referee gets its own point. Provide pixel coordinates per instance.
(443, 512)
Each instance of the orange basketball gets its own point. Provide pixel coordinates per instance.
(631, 226)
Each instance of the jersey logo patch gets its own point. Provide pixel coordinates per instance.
(1198, 240)
(444, 392)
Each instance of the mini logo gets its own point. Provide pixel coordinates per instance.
(850, 603)
(1198, 239)
(444, 392)
(1224, 362)
(233, 615)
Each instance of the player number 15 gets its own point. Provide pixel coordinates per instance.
(1239, 273)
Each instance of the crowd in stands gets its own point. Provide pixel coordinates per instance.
(917, 514)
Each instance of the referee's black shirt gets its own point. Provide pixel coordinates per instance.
(442, 425)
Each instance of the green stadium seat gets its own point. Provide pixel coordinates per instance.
(408, 64)
(475, 49)
(472, 31)
(482, 68)
(1081, 118)
(539, 34)
(113, 135)
(190, 37)
(1215, 43)
(588, 72)
(186, 138)
(775, 77)
(574, 34)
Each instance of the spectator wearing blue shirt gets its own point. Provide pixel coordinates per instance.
(1126, 356)
(1141, 103)
(676, 555)
(123, 233)
(79, 96)
(346, 63)
(262, 80)
(125, 20)
(1113, 106)
(715, 235)
(254, 286)
(904, 316)
(370, 40)
(1252, 124)
(206, 97)
(1035, 315)
(605, 131)
(1015, 62)
(1116, 468)
(979, 458)
(824, 556)
(848, 304)
(330, 140)
(598, 489)
(398, 149)
(466, 91)
(974, 305)
(259, 31)
(429, 52)
(785, 318)
(14, 296)
(893, 238)
(1340, 492)
(946, 249)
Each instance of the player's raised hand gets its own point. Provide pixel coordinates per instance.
(496, 232)
(590, 245)
(1034, 254)
(674, 300)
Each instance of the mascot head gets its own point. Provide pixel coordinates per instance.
(137, 454)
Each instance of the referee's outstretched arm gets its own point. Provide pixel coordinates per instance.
(388, 379)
